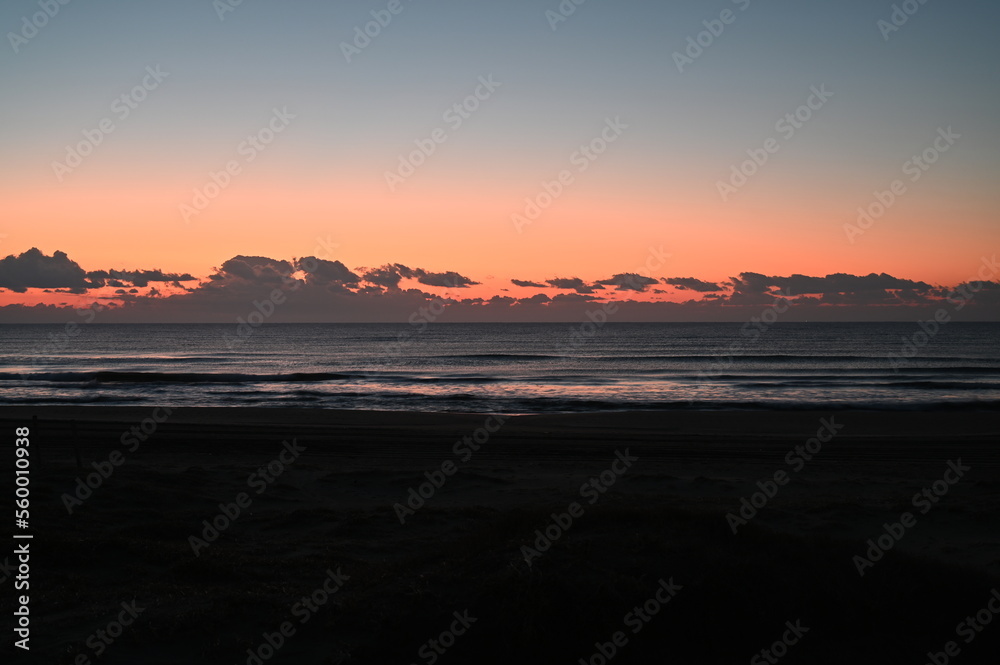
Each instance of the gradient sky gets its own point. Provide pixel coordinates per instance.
(656, 186)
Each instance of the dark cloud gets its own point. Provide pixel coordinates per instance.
(844, 283)
(692, 284)
(34, 270)
(449, 279)
(629, 281)
(752, 288)
(321, 290)
(256, 269)
(751, 282)
(391, 274)
(388, 276)
(522, 282)
(140, 278)
(574, 283)
(572, 297)
(835, 289)
(862, 298)
(329, 272)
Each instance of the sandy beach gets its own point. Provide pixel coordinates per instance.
(474, 538)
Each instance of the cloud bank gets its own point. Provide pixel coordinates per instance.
(310, 289)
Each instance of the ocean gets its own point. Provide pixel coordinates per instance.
(507, 368)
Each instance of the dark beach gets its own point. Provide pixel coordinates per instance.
(656, 521)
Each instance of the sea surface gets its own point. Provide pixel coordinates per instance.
(508, 368)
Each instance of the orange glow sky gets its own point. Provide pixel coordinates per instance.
(656, 186)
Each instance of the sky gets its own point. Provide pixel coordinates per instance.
(530, 150)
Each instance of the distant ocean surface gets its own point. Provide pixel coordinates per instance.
(509, 368)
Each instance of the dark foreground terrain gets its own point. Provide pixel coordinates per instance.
(656, 520)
